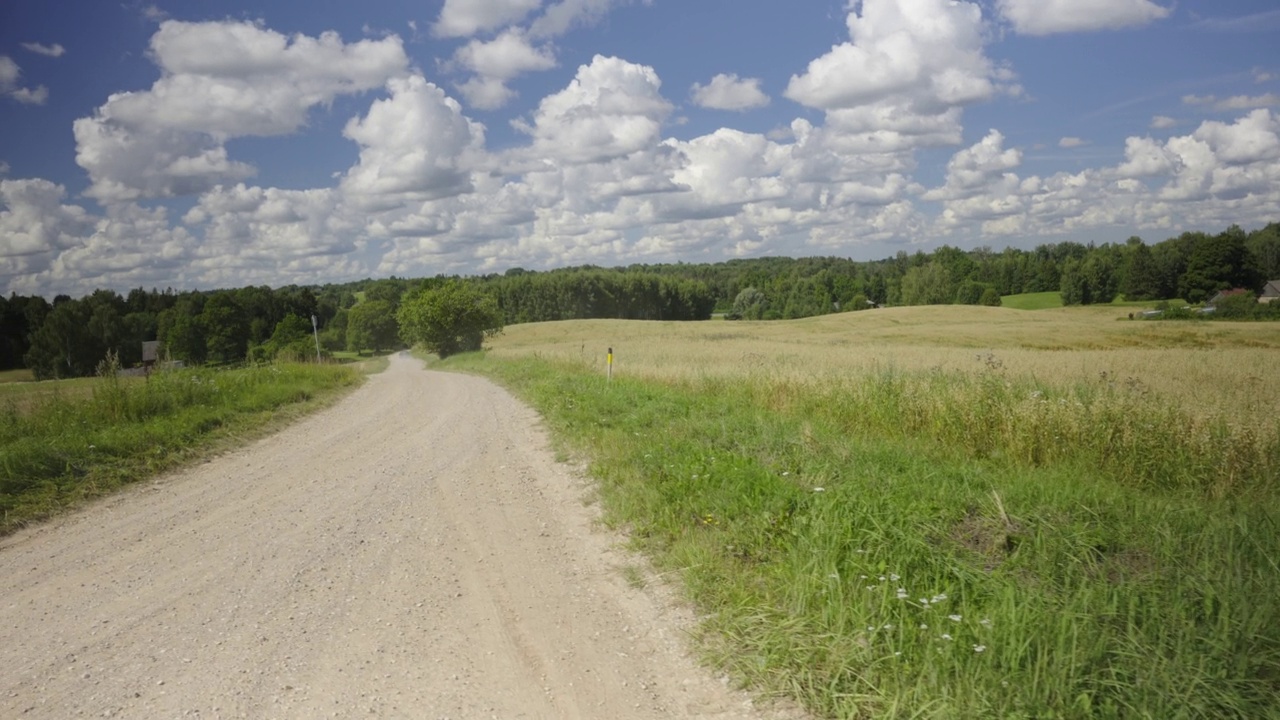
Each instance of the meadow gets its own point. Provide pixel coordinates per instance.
(62, 442)
(945, 511)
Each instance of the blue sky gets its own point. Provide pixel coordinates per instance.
(219, 143)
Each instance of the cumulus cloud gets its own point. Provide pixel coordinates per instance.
(35, 222)
(464, 18)
(974, 168)
(415, 144)
(497, 61)
(10, 73)
(903, 79)
(927, 52)
(729, 92)
(220, 80)
(1162, 122)
(612, 108)
(1219, 174)
(1047, 17)
(54, 50)
(1071, 142)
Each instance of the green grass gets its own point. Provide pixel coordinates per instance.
(890, 546)
(1032, 301)
(103, 433)
(1053, 299)
(16, 376)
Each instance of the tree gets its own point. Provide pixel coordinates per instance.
(1264, 244)
(928, 285)
(292, 336)
(452, 318)
(63, 346)
(1218, 263)
(1142, 278)
(750, 304)
(226, 328)
(371, 325)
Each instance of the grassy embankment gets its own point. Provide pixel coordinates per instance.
(945, 512)
(62, 442)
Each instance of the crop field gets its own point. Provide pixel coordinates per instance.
(945, 511)
(1220, 369)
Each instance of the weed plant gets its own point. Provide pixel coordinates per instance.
(927, 544)
(62, 449)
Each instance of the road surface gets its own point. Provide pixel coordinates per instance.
(412, 552)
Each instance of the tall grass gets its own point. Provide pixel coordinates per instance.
(933, 544)
(61, 449)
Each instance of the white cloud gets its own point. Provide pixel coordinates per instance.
(729, 92)
(1047, 17)
(927, 54)
(1071, 142)
(414, 145)
(54, 50)
(29, 96)
(1219, 174)
(612, 108)
(1162, 122)
(35, 221)
(10, 73)
(565, 15)
(220, 80)
(975, 168)
(464, 18)
(1236, 102)
(495, 62)
(1247, 102)
(1146, 157)
(904, 78)
(1261, 76)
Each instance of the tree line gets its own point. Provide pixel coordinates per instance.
(68, 337)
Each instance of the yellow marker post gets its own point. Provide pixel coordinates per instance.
(609, 364)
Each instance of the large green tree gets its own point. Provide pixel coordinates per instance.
(449, 319)
(226, 327)
(371, 325)
(1218, 262)
(928, 284)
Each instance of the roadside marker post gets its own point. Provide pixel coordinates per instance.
(315, 332)
(609, 364)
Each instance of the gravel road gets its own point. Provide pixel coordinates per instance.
(412, 552)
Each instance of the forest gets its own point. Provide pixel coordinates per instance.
(68, 337)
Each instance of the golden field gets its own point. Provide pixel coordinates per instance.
(1223, 369)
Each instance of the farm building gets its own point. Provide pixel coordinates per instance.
(1270, 292)
(1223, 294)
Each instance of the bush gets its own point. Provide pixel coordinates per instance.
(452, 318)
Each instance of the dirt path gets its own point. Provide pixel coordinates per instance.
(413, 552)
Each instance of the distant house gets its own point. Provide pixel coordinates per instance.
(1271, 292)
(1223, 294)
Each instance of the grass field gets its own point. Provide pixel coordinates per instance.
(1047, 300)
(16, 376)
(1221, 369)
(1032, 301)
(944, 512)
(64, 441)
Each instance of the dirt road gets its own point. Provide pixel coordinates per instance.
(412, 552)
